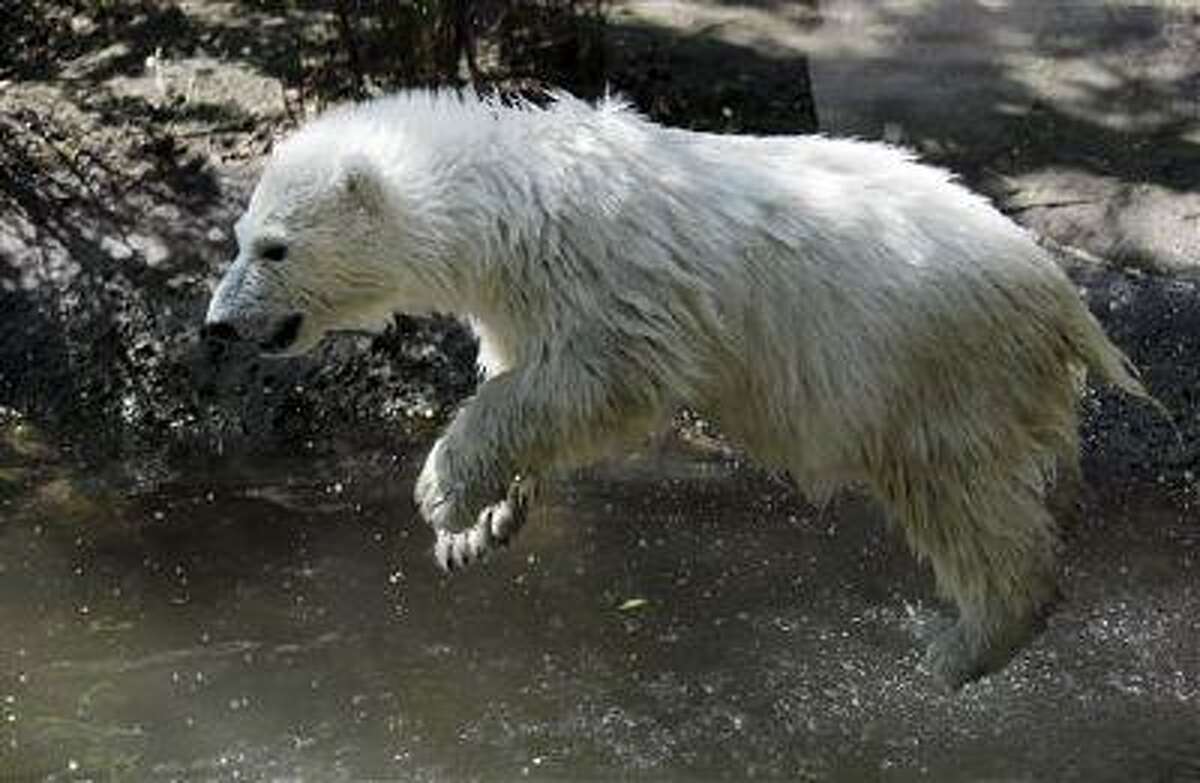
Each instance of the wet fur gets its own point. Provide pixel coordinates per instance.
(843, 311)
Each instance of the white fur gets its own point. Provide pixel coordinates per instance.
(845, 312)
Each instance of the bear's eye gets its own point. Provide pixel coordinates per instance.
(274, 252)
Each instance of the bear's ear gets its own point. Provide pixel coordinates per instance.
(362, 183)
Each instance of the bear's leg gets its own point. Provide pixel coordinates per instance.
(991, 543)
(475, 485)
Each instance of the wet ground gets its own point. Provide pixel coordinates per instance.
(677, 617)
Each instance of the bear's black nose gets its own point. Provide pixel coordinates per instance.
(218, 337)
(219, 332)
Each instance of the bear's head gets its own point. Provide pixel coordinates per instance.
(328, 242)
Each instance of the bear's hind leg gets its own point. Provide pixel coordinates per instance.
(991, 543)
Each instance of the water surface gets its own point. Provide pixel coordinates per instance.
(677, 616)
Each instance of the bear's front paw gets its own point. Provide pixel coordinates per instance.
(495, 527)
(439, 497)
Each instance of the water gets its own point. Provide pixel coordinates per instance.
(677, 616)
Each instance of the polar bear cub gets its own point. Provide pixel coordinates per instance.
(844, 312)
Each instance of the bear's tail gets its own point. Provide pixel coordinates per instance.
(1107, 362)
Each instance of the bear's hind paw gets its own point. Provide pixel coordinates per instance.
(963, 653)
